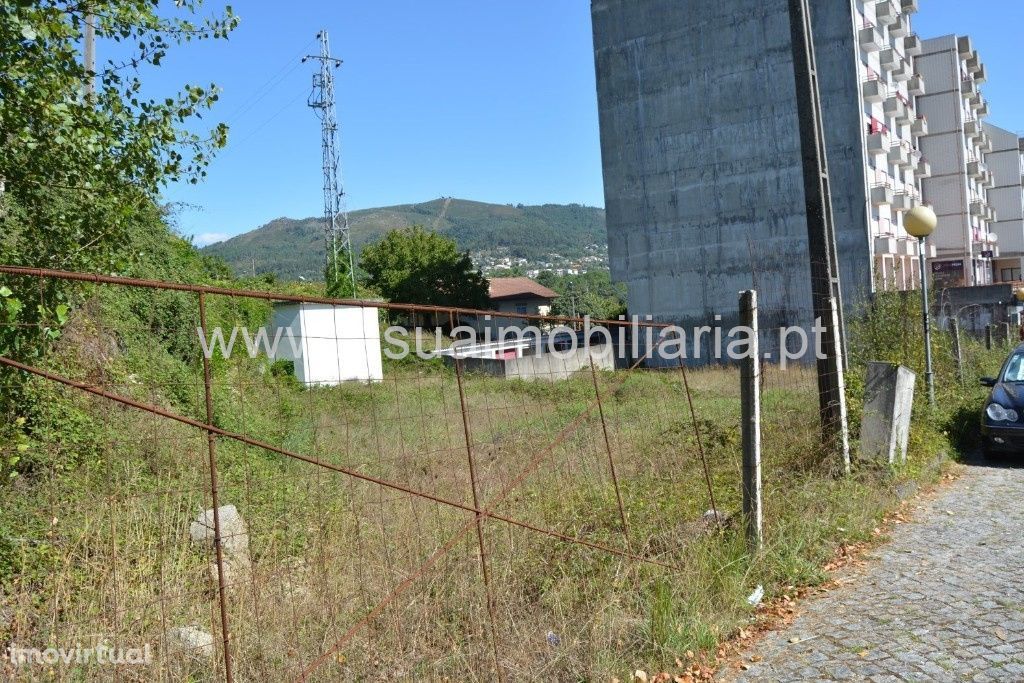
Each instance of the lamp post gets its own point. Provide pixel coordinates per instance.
(920, 222)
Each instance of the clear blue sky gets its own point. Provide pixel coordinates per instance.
(489, 100)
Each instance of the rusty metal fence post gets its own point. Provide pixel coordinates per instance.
(211, 440)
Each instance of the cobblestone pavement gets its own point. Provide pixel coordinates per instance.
(943, 601)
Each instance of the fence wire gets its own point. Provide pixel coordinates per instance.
(491, 513)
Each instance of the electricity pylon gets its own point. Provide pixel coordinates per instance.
(337, 239)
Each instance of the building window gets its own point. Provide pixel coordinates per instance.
(1009, 274)
(521, 308)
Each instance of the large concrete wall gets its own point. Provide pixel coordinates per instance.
(701, 154)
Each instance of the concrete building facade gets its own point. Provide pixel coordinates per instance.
(956, 145)
(1006, 161)
(701, 152)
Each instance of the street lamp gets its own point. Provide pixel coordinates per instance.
(920, 222)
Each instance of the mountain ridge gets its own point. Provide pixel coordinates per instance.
(292, 248)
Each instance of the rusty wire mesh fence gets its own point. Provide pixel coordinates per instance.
(496, 512)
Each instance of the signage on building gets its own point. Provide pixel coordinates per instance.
(948, 273)
(987, 253)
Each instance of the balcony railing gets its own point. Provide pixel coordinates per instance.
(882, 194)
(912, 44)
(915, 86)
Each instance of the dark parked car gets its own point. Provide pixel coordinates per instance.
(1002, 426)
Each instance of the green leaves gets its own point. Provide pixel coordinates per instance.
(413, 265)
(82, 169)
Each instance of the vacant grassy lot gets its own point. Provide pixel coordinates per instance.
(95, 533)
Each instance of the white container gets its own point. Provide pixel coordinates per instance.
(334, 344)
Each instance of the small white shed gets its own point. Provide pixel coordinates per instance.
(329, 344)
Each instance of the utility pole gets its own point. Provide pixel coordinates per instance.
(826, 294)
(321, 100)
(89, 52)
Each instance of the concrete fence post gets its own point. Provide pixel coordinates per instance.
(988, 336)
(1004, 334)
(750, 396)
(954, 333)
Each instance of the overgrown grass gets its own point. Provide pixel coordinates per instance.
(94, 537)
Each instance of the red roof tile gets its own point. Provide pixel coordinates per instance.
(519, 288)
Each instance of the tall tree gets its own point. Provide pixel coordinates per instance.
(413, 265)
(83, 155)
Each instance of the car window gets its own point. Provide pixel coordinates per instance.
(1014, 369)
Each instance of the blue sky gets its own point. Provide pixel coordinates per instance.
(489, 100)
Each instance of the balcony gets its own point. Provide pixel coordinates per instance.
(902, 200)
(982, 111)
(903, 71)
(915, 86)
(919, 127)
(886, 12)
(990, 214)
(900, 156)
(968, 88)
(908, 247)
(988, 180)
(964, 46)
(909, 6)
(978, 208)
(985, 143)
(889, 58)
(874, 90)
(973, 63)
(894, 106)
(871, 39)
(924, 169)
(981, 75)
(976, 169)
(907, 114)
(881, 195)
(900, 28)
(885, 244)
(972, 128)
(912, 45)
(975, 101)
(878, 143)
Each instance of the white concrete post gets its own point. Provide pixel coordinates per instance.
(750, 393)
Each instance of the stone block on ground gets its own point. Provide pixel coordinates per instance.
(888, 403)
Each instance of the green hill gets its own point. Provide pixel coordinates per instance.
(293, 247)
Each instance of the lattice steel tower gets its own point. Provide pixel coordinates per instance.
(336, 226)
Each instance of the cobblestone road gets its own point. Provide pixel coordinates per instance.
(944, 601)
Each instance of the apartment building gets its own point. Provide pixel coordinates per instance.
(1006, 161)
(956, 145)
(701, 151)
